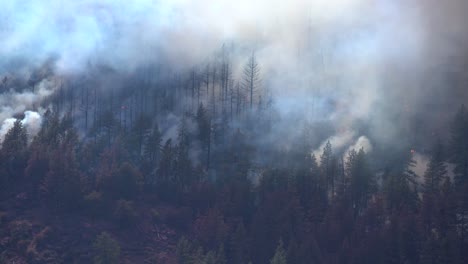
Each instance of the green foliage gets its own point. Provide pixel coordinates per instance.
(125, 213)
(62, 185)
(121, 183)
(107, 250)
(152, 147)
(328, 168)
(436, 170)
(362, 182)
(238, 244)
(400, 187)
(20, 230)
(458, 148)
(155, 215)
(166, 165)
(234, 195)
(95, 204)
(188, 253)
(2, 217)
(13, 154)
(139, 131)
(15, 140)
(280, 254)
(179, 218)
(184, 251)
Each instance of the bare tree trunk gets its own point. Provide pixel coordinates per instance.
(213, 93)
(193, 90)
(209, 148)
(198, 92)
(207, 82)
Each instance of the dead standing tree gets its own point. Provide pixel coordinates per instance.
(251, 77)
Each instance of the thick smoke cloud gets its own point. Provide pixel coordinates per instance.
(381, 63)
(32, 122)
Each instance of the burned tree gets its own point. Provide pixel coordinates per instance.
(251, 77)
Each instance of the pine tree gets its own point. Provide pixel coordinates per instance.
(400, 186)
(459, 145)
(15, 140)
(251, 77)
(183, 165)
(434, 177)
(107, 249)
(204, 132)
(280, 254)
(436, 170)
(328, 168)
(140, 131)
(152, 146)
(362, 182)
(238, 247)
(13, 154)
(62, 185)
(166, 164)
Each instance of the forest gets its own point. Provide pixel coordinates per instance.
(212, 133)
(102, 181)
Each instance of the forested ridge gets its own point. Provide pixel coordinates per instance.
(234, 132)
(187, 168)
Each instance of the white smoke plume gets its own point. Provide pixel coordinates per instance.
(12, 102)
(341, 61)
(6, 126)
(421, 164)
(32, 122)
(362, 142)
(338, 142)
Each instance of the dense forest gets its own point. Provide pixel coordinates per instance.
(234, 132)
(183, 168)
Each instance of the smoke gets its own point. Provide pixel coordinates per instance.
(16, 100)
(13, 102)
(6, 126)
(422, 161)
(126, 34)
(361, 143)
(421, 165)
(394, 66)
(338, 142)
(341, 141)
(32, 122)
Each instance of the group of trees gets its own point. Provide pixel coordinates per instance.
(230, 203)
(329, 209)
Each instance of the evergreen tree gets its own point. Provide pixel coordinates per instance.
(459, 146)
(13, 155)
(328, 168)
(251, 77)
(362, 182)
(436, 170)
(280, 254)
(107, 249)
(166, 164)
(62, 185)
(204, 132)
(238, 244)
(183, 165)
(152, 146)
(400, 186)
(15, 140)
(434, 177)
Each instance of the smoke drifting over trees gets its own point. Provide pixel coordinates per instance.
(225, 114)
(339, 61)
